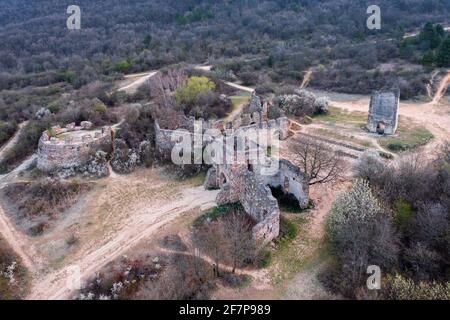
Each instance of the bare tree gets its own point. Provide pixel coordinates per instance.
(238, 239)
(210, 238)
(320, 163)
(443, 153)
(162, 85)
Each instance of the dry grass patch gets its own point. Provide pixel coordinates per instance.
(409, 136)
(36, 205)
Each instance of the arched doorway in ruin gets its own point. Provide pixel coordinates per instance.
(380, 127)
(223, 178)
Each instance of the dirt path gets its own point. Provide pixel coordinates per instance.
(138, 80)
(306, 79)
(238, 86)
(18, 242)
(8, 145)
(442, 88)
(417, 32)
(138, 227)
(236, 112)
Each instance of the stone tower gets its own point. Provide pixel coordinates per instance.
(383, 112)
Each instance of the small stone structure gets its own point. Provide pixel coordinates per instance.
(70, 147)
(383, 112)
(245, 184)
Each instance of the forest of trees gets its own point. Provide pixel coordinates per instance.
(433, 43)
(283, 38)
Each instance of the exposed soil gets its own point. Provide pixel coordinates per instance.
(133, 81)
(122, 215)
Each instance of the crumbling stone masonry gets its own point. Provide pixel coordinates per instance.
(383, 112)
(70, 147)
(242, 181)
(246, 184)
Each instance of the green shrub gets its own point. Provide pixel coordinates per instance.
(27, 143)
(188, 94)
(265, 258)
(122, 66)
(386, 155)
(288, 230)
(7, 130)
(216, 212)
(397, 146)
(402, 213)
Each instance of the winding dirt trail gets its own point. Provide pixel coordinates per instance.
(442, 88)
(139, 79)
(19, 242)
(55, 285)
(306, 79)
(8, 145)
(238, 86)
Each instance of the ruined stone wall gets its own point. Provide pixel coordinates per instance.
(250, 187)
(164, 142)
(55, 153)
(237, 184)
(258, 202)
(280, 124)
(291, 180)
(383, 112)
(240, 182)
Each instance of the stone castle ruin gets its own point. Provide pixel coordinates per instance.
(253, 117)
(70, 147)
(248, 185)
(383, 112)
(243, 180)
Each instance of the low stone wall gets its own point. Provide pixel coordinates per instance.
(55, 153)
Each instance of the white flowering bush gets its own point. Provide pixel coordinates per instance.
(301, 103)
(9, 273)
(400, 288)
(12, 274)
(121, 280)
(360, 234)
(358, 204)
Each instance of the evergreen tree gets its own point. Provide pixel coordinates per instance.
(443, 55)
(430, 36)
(428, 58)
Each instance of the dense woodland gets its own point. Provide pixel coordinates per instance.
(50, 75)
(284, 38)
